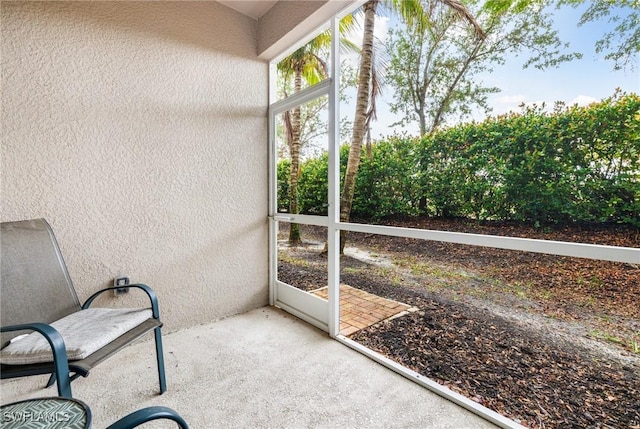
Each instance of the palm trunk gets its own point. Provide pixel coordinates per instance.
(362, 104)
(294, 150)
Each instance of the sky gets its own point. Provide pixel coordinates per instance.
(580, 81)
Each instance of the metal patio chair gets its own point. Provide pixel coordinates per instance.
(36, 294)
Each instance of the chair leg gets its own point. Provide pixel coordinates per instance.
(160, 358)
(53, 377)
(52, 380)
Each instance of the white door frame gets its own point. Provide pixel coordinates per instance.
(321, 313)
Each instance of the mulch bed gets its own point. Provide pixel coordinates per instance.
(507, 368)
(514, 369)
(571, 282)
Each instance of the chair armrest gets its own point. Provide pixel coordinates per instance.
(146, 415)
(60, 361)
(150, 293)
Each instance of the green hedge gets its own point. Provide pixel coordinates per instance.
(575, 164)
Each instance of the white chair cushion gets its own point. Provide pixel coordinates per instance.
(83, 332)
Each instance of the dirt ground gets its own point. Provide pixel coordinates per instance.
(548, 341)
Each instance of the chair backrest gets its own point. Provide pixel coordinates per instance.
(35, 284)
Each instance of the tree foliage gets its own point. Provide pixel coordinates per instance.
(574, 164)
(434, 69)
(412, 11)
(621, 45)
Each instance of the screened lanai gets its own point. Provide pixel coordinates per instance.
(321, 292)
(146, 134)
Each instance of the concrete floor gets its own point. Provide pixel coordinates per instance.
(262, 369)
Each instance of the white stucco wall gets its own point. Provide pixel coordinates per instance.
(138, 130)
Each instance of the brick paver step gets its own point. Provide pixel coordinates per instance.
(360, 309)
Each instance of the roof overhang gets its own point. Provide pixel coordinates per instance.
(289, 24)
(284, 25)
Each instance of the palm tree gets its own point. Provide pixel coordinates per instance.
(413, 13)
(306, 64)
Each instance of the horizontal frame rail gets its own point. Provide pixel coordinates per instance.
(627, 255)
(319, 90)
(302, 219)
(562, 248)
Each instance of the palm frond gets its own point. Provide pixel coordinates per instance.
(461, 10)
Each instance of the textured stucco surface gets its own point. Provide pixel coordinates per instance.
(138, 130)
